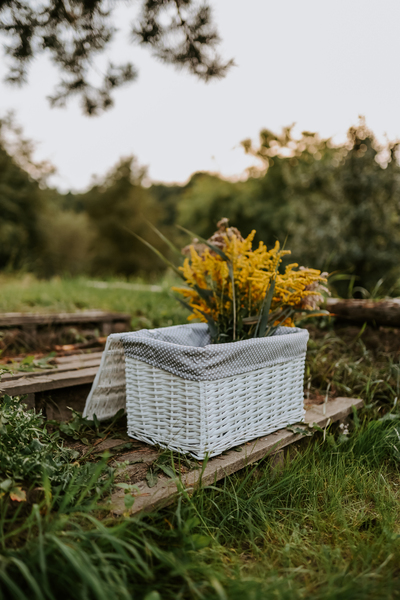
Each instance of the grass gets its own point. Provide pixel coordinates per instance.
(359, 362)
(148, 309)
(325, 526)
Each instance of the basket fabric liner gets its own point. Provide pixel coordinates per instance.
(185, 351)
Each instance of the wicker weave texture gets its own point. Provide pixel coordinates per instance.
(207, 417)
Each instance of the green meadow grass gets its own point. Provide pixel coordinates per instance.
(148, 309)
(325, 526)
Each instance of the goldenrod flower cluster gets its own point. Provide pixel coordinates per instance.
(231, 288)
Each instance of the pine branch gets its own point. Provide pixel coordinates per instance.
(74, 33)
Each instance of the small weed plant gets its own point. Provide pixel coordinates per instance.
(30, 455)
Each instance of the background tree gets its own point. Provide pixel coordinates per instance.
(21, 201)
(115, 207)
(74, 32)
(339, 205)
(370, 206)
(335, 202)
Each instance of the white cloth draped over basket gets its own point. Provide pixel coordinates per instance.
(184, 393)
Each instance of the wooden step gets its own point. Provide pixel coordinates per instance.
(31, 383)
(55, 390)
(71, 365)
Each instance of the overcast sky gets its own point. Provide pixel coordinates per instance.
(318, 63)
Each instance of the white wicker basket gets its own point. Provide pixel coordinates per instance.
(208, 417)
(195, 414)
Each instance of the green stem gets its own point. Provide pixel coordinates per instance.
(230, 266)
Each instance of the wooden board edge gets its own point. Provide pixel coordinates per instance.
(44, 383)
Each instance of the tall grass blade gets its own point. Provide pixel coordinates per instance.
(157, 253)
(27, 575)
(11, 587)
(170, 245)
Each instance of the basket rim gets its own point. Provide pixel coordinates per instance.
(212, 361)
(133, 335)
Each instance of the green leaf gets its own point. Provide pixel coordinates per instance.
(200, 541)
(151, 478)
(167, 470)
(300, 431)
(252, 320)
(6, 484)
(128, 487)
(152, 596)
(264, 312)
(129, 501)
(317, 427)
(28, 360)
(96, 423)
(389, 417)
(204, 293)
(67, 429)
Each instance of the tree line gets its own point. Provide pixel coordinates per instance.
(338, 206)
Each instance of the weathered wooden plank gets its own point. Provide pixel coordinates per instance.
(166, 489)
(382, 312)
(53, 381)
(93, 316)
(69, 366)
(60, 360)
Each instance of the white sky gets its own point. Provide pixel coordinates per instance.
(319, 63)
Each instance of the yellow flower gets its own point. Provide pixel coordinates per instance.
(212, 292)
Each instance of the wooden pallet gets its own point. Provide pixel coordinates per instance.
(167, 489)
(53, 390)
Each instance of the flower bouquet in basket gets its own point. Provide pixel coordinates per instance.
(237, 373)
(239, 292)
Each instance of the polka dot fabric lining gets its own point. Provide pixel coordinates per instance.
(186, 351)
